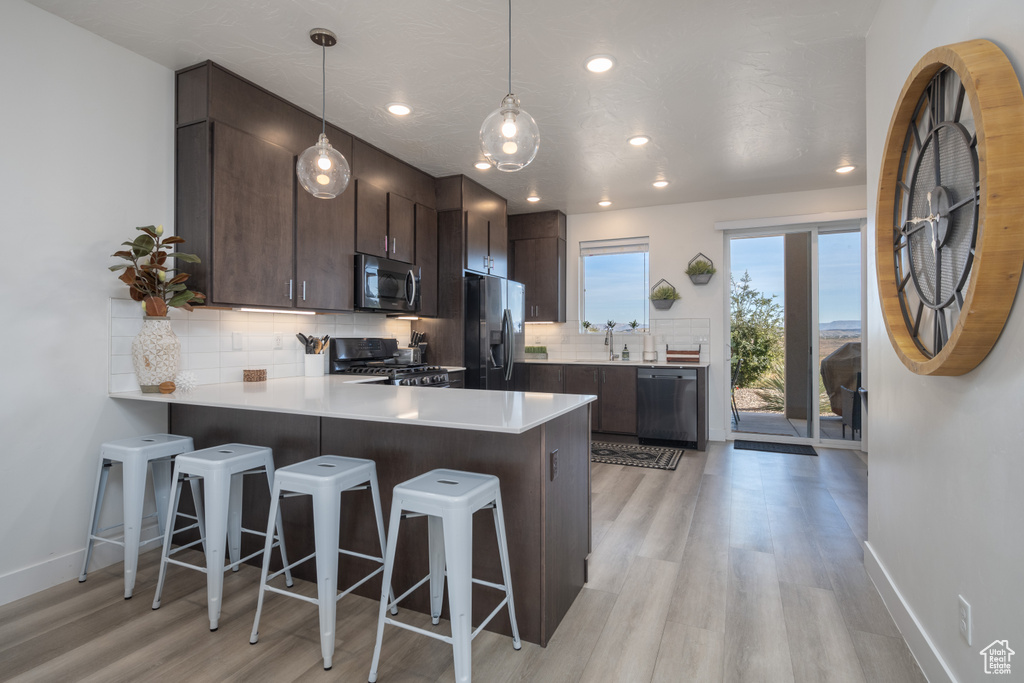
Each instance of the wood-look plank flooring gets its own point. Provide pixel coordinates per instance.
(737, 566)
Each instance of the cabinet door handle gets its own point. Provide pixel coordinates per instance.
(385, 245)
(604, 376)
(595, 376)
(289, 290)
(303, 290)
(485, 263)
(492, 263)
(559, 374)
(394, 245)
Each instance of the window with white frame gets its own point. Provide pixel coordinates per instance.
(614, 283)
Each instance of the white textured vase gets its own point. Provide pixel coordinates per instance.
(156, 354)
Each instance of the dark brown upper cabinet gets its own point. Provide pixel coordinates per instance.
(426, 258)
(484, 240)
(387, 193)
(538, 248)
(263, 241)
(253, 232)
(371, 219)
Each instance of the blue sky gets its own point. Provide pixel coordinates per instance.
(616, 288)
(838, 264)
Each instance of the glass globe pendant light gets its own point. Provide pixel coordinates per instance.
(322, 170)
(509, 136)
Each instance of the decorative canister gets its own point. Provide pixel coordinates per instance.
(156, 354)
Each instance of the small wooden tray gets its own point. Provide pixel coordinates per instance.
(254, 375)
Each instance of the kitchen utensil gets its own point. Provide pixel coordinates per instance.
(304, 340)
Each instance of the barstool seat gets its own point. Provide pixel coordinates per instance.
(324, 478)
(448, 498)
(136, 455)
(221, 469)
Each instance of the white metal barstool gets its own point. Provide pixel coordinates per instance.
(221, 469)
(448, 498)
(136, 455)
(324, 478)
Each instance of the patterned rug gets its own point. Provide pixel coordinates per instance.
(655, 457)
(769, 447)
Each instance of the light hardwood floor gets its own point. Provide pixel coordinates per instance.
(738, 566)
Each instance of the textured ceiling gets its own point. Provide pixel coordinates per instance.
(740, 97)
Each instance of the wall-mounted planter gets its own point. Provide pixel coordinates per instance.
(663, 295)
(700, 269)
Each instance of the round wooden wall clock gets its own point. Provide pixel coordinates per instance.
(949, 234)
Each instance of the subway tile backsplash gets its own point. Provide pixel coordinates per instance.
(207, 337)
(564, 341)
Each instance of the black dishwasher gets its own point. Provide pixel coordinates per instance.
(667, 406)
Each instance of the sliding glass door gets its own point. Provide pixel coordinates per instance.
(795, 313)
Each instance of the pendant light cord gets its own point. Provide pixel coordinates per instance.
(509, 47)
(323, 90)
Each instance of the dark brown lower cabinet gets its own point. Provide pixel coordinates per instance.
(586, 379)
(546, 378)
(618, 399)
(545, 490)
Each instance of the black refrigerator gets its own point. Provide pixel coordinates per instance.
(495, 335)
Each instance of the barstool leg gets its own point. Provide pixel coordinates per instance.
(269, 469)
(326, 528)
(172, 511)
(197, 503)
(133, 489)
(435, 544)
(235, 520)
(375, 492)
(275, 499)
(458, 541)
(217, 487)
(506, 571)
(161, 489)
(389, 566)
(94, 523)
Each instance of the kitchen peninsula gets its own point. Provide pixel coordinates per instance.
(536, 443)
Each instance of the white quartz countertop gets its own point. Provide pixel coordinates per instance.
(510, 412)
(627, 363)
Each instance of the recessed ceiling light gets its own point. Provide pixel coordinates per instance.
(482, 165)
(598, 64)
(639, 140)
(845, 169)
(604, 202)
(399, 109)
(660, 183)
(533, 198)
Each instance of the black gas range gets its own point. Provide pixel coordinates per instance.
(378, 356)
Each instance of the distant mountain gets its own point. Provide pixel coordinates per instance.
(850, 325)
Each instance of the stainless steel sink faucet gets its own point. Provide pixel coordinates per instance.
(609, 341)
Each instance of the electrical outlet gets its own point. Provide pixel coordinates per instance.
(236, 341)
(279, 340)
(965, 620)
(701, 338)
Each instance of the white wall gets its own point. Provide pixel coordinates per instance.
(946, 491)
(87, 155)
(677, 233)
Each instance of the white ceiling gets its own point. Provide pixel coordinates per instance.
(740, 97)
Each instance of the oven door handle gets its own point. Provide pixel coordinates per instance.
(410, 288)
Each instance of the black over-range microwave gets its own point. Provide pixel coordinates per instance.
(385, 285)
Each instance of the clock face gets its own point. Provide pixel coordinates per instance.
(949, 227)
(935, 217)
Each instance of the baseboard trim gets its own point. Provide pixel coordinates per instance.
(55, 570)
(921, 646)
